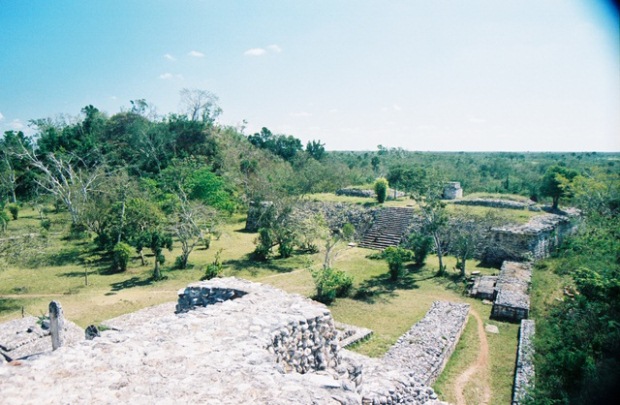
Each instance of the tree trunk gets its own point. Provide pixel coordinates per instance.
(157, 272)
(439, 253)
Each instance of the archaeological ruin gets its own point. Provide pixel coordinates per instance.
(233, 341)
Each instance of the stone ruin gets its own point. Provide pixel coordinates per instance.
(512, 292)
(231, 341)
(452, 191)
(500, 203)
(524, 370)
(30, 336)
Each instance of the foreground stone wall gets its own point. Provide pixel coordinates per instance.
(524, 373)
(425, 349)
(512, 298)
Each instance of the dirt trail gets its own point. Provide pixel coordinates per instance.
(479, 367)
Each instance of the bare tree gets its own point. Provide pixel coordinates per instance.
(73, 187)
(200, 105)
(194, 223)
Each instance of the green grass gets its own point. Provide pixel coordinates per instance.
(497, 196)
(506, 215)
(388, 308)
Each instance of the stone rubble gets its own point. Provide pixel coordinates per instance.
(264, 346)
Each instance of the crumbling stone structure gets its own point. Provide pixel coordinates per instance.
(427, 346)
(484, 287)
(452, 191)
(499, 203)
(524, 373)
(512, 298)
(263, 346)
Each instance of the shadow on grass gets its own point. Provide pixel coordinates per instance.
(9, 305)
(247, 263)
(131, 283)
(453, 282)
(382, 287)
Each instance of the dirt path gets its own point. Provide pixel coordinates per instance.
(479, 367)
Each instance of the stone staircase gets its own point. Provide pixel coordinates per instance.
(388, 229)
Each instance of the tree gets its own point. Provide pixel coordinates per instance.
(381, 190)
(316, 149)
(435, 224)
(408, 178)
(193, 222)
(157, 240)
(200, 105)
(468, 236)
(396, 256)
(555, 183)
(12, 167)
(74, 187)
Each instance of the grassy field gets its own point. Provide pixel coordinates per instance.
(388, 308)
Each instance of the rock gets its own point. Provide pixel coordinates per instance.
(491, 328)
(91, 332)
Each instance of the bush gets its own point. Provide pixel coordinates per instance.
(214, 269)
(14, 210)
(381, 189)
(46, 224)
(421, 246)
(121, 256)
(263, 245)
(330, 284)
(396, 257)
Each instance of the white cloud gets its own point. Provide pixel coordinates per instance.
(397, 107)
(274, 48)
(333, 111)
(170, 57)
(255, 52)
(1, 116)
(196, 54)
(17, 125)
(300, 114)
(165, 76)
(114, 98)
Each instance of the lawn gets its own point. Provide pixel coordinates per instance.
(388, 308)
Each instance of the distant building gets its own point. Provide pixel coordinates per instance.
(452, 191)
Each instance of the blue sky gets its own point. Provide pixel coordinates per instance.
(475, 75)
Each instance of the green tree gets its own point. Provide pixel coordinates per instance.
(396, 257)
(156, 240)
(435, 224)
(555, 183)
(381, 190)
(316, 149)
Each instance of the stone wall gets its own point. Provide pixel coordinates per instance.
(336, 214)
(512, 298)
(532, 241)
(452, 191)
(358, 192)
(524, 372)
(425, 349)
(498, 203)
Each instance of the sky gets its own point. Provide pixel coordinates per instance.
(427, 75)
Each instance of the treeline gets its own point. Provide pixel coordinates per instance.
(578, 339)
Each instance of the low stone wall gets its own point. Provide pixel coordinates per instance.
(425, 349)
(203, 294)
(524, 373)
(358, 192)
(498, 203)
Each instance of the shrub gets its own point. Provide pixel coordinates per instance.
(396, 257)
(381, 190)
(263, 244)
(421, 246)
(46, 224)
(214, 269)
(14, 210)
(330, 284)
(121, 254)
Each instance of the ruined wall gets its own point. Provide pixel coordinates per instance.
(427, 346)
(452, 191)
(336, 214)
(497, 203)
(524, 373)
(532, 241)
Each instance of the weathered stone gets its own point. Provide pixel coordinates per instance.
(57, 325)
(452, 191)
(512, 299)
(91, 332)
(491, 329)
(524, 373)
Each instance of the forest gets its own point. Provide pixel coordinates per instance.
(134, 183)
